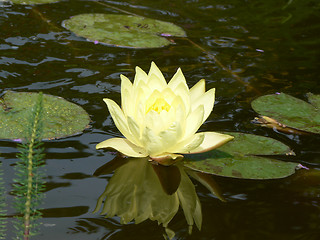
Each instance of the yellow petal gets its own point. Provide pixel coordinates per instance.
(194, 121)
(140, 76)
(138, 103)
(126, 102)
(126, 90)
(177, 79)
(151, 100)
(124, 146)
(135, 130)
(167, 118)
(153, 121)
(180, 117)
(183, 91)
(171, 135)
(211, 141)
(140, 93)
(139, 114)
(156, 83)
(156, 71)
(168, 95)
(187, 145)
(207, 100)
(178, 102)
(197, 90)
(119, 118)
(151, 142)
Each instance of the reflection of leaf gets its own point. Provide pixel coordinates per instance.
(135, 193)
(207, 181)
(60, 118)
(306, 183)
(236, 159)
(289, 112)
(123, 30)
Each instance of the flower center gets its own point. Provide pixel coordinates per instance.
(159, 105)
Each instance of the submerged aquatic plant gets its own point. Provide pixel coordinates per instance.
(159, 120)
(29, 184)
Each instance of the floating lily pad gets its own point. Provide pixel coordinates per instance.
(60, 118)
(287, 111)
(314, 100)
(123, 30)
(238, 159)
(32, 1)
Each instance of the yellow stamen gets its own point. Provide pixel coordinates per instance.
(159, 105)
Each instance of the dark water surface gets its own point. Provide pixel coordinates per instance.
(272, 46)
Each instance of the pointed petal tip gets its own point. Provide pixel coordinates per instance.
(124, 78)
(107, 100)
(153, 65)
(139, 69)
(154, 69)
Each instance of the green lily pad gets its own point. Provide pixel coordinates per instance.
(123, 30)
(314, 100)
(291, 112)
(60, 118)
(32, 1)
(238, 159)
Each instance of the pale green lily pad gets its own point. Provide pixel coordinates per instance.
(60, 118)
(33, 1)
(238, 159)
(123, 30)
(290, 111)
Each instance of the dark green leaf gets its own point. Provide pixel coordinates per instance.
(290, 111)
(314, 100)
(60, 118)
(123, 30)
(237, 159)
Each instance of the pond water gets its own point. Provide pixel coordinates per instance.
(263, 47)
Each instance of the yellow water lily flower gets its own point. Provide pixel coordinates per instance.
(159, 120)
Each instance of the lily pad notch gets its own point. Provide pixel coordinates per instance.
(123, 30)
(60, 118)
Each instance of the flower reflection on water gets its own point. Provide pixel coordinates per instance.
(139, 190)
